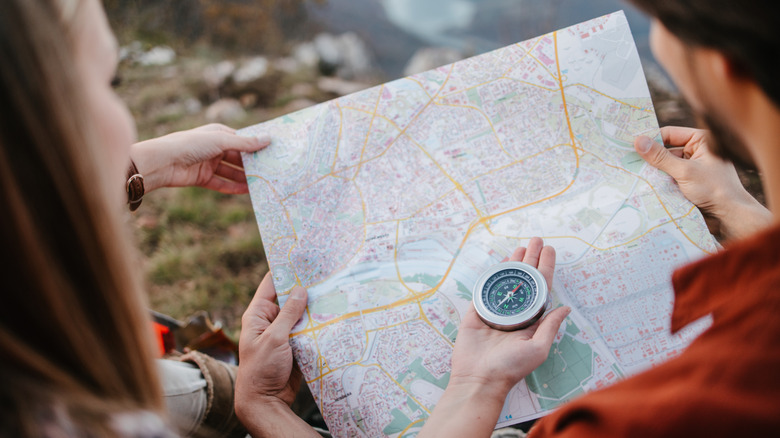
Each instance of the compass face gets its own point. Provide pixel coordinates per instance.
(509, 292)
(511, 296)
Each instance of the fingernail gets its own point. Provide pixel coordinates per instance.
(568, 310)
(643, 144)
(263, 139)
(298, 293)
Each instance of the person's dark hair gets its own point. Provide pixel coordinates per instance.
(75, 342)
(746, 31)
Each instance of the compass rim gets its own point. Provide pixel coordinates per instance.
(522, 319)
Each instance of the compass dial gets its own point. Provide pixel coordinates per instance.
(511, 296)
(509, 292)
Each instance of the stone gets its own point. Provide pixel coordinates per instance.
(288, 65)
(251, 70)
(192, 105)
(357, 60)
(328, 51)
(159, 55)
(428, 58)
(303, 89)
(297, 105)
(346, 55)
(225, 111)
(306, 54)
(338, 86)
(131, 52)
(217, 74)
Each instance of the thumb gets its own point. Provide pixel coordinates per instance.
(229, 141)
(292, 310)
(658, 156)
(550, 325)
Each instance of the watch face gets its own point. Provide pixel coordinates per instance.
(509, 292)
(511, 295)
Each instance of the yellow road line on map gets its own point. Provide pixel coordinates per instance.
(657, 195)
(357, 363)
(410, 426)
(338, 141)
(563, 96)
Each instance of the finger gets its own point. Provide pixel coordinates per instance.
(262, 310)
(550, 325)
(531, 256)
(658, 156)
(291, 311)
(678, 135)
(518, 254)
(677, 152)
(266, 290)
(228, 172)
(219, 184)
(234, 158)
(216, 127)
(547, 264)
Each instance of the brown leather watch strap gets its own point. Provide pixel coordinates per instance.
(134, 187)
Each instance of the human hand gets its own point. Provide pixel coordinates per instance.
(208, 156)
(487, 363)
(498, 359)
(266, 361)
(706, 180)
(267, 380)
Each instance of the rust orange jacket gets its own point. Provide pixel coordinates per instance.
(727, 383)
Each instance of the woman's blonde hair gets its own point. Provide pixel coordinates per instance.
(75, 342)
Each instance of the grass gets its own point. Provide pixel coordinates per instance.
(201, 251)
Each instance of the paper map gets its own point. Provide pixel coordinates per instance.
(388, 204)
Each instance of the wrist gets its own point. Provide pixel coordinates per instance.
(482, 388)
(741, 215)
(142, 154)
(468, 407)
(268, 416)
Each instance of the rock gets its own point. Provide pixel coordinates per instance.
(358, 60)
(303, 89)
(217, 74)
(225, 111)
(248, 100)
(429, 58)
(306, 54)
(346, 55)
(159, 55)
(131, 52)
(338, 86)
(297, 105)
(289, 65)
(328, 52)
(251, 70)
(192, 105)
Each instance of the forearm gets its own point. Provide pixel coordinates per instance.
(465, 410)
(273, 419)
